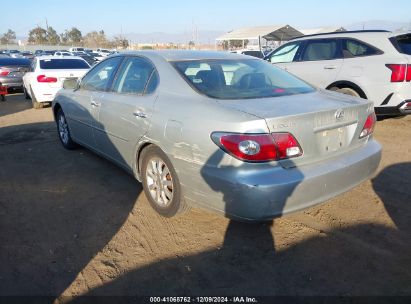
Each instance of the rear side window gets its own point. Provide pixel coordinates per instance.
(58, 64)
(326, 49)
(354, 48)
(285, 53)
(402, 43)
(133, 76)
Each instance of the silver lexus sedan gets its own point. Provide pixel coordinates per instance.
(222, 131)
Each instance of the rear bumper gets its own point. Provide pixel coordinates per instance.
(45, 94)
(404, 108)
(255, 195)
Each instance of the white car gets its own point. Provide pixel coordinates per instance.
(77, 49)
(374, 65)
(103, 52)
(62, 53)
(47, 74)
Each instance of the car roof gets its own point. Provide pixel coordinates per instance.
(180, 55)
(12, 61)
(367, 33)
(51, 57)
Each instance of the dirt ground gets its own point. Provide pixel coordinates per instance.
(72, 223)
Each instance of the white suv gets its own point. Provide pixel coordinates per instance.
(374, 65)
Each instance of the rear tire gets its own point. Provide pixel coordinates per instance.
(347, 91)
(35, 103)
(63, 131)
(26, 95)
(160, 182)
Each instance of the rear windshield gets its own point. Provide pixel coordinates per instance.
(240, 79)
(63, 64)
(403, 43)
(14, 61)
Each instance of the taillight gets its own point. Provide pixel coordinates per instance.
(259, 147)
(44, 78)
(369, 125)
(4, 72)
(397, 72)
(408, 73)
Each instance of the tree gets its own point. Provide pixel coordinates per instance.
(191, 44)
(52, 36)
(120, 42)
(38, 35)
(74, 36)
(228, 44)
(8, 37)
(96, 39)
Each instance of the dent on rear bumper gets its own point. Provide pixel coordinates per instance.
(264, 194)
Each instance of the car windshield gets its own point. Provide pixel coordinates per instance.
(63, 64)
(240, 79)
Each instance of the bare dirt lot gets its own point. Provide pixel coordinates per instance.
(72, 223)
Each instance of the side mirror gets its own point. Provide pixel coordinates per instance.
(71, 83)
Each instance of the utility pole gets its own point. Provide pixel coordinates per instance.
(47, 25)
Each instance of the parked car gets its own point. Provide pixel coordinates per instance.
(47, 53)
(77, 49)
(47, 74)
(96, 56)
(27, 54)
(62, 53)
(219, 130)
(369, 64)
(38, 52)
(12, 71)
(254, 53)
(14, 53)
(103, 52)
(90, 59)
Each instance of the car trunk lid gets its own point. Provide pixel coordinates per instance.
(324, 123)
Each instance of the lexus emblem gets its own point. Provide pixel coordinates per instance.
(339, 114)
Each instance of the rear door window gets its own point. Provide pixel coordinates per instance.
(324, 49)
(59, 64)
(285, 53)
(133, 76)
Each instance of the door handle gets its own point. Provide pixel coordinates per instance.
(330, 67)
(95, 103)
(140, 114)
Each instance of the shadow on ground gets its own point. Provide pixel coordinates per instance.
(58, 209)
(366, 259)
(13, 105)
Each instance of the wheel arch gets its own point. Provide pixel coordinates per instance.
(348, 84)
(137, 164)
(56, 108)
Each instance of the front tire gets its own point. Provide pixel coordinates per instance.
(63, 131)
(160, 182)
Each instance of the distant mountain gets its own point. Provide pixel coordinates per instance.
(203, 37)
(379, 25)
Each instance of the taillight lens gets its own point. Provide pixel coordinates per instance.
(44, 78)
(259, 147)
(369, 125)
(4, 72)
(397, 72)
(408, 73)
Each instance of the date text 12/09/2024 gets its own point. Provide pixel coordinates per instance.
(203, 300)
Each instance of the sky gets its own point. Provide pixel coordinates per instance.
(126, 16)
